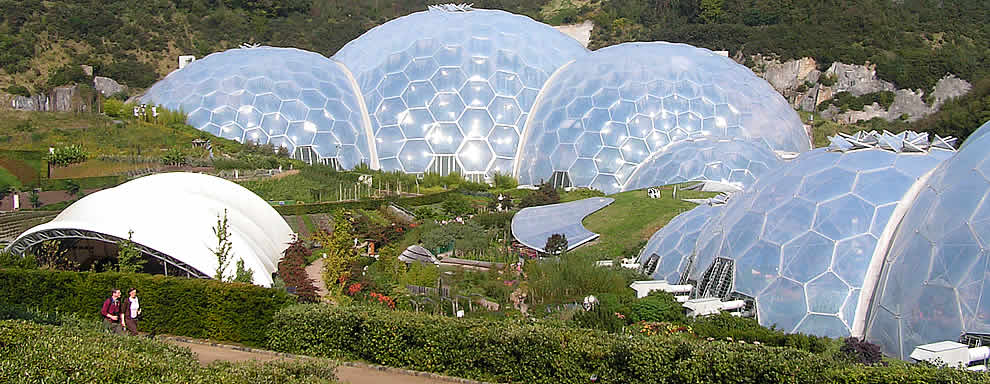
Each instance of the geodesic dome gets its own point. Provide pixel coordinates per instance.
(935, 283)
(669, 250)
(606, 113)
(288, 97)
(731, 161)
(449, 89)
(801, 240)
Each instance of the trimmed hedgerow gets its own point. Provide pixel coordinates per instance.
(366, 204)
(33, 353)
(181, 306)
(536, 353)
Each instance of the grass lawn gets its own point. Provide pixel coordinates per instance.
(625, 225)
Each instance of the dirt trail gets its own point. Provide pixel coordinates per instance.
(314, 271)
(345, 373)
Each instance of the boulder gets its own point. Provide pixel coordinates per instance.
(107, 86)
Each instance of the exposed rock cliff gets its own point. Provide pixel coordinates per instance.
(806, 88)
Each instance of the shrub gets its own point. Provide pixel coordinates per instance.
(18, 90)
(115, 108)
(828, 80)
(658, 306)
(508, 351)
(68, 74)
(725, 325)
(543, 196)
(33, 353)
(457, 205)
(181, 306)
(292, 271)
(494, 219)
(862, 351)
(63, 156)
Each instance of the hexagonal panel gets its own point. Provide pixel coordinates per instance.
(476, 123)
(446, 107)
(416, 123)
(475, 155)
(415, 156)
(445, 138)
(504, 140)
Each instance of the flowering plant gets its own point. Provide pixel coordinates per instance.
(388, 301)
(353, 289)
(656, 328)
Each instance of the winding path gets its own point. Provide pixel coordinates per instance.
(347, 372)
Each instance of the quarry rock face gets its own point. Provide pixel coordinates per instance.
(107, 86)
(61, 99)
(857, 79)
(799, 82)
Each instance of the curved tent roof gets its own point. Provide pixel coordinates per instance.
(174, 214)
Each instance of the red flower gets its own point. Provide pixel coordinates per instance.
(353, 289)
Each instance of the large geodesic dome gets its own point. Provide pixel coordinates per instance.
(449, 89)
(801, 241)
(606, 113)
(734, 162)
(935, 283)
(287, 97)
(669, 250)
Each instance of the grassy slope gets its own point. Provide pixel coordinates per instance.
(625, 225)
(96, 134)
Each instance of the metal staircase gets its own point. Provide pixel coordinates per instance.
(717, 281)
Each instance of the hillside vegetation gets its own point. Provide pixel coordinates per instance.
(913, 42)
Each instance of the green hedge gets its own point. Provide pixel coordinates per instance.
(371, 204)
(197, 308)
(33, 353)
(84, 183)
(509, 351)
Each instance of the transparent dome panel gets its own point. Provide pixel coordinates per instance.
(475, 71)
(266, 95)
(656, 93)
(669, 250)
(731, 161)
(933, 282)
(811, 224)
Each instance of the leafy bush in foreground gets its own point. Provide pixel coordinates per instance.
(180, 306)
(33, 353)
(538, 353)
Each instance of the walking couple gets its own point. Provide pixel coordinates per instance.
(121, 314)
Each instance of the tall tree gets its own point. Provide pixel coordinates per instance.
(339, 247)
(224, 245)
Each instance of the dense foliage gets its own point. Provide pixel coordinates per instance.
(914, 42)
(545, 195)
(543, 353)
(179, 306)
(33, 353)
(136, 43)
(845, 101)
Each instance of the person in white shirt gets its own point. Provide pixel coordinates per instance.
(130, 312)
